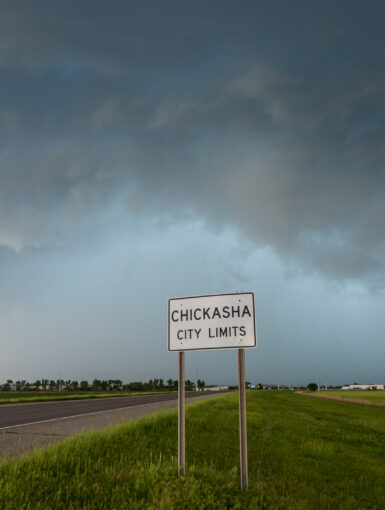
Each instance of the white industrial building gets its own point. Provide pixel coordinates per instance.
(363, 387)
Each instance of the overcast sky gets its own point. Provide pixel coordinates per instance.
(153, 149)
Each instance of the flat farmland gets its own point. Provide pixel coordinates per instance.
(377, 396)
(364, 397)
(304, 453)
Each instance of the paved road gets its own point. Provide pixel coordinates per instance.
(26, 426)
(12, 415)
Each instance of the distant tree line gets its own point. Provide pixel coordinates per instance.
(99, 385)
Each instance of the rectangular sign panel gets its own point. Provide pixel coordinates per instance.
(221, 321)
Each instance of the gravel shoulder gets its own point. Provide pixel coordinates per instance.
(17, 440)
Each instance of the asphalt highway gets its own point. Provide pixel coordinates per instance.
(14, 415)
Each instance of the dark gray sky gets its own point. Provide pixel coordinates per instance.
(158, 149)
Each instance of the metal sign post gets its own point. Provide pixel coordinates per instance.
(181, 415)
(242, 420)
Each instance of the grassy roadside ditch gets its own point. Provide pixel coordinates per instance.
(303, 454)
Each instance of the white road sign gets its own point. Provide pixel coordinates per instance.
(221, 321)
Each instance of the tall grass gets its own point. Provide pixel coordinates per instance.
(303, 454)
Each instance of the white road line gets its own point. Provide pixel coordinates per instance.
(88, 414)
(61, 401)
(75, 416)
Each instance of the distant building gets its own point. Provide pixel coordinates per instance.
(216, 388)
(363, 387)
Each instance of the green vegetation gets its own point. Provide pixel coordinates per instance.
(304, 453)
(370, 396)
(23, 389)
(18, 397)
(116, 385)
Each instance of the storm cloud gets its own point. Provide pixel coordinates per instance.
(264, 118)
(153, 149)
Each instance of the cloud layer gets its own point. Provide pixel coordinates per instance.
(265, 118)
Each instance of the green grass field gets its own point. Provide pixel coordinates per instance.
(7, 397)
(377, 396)
(304, 453)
